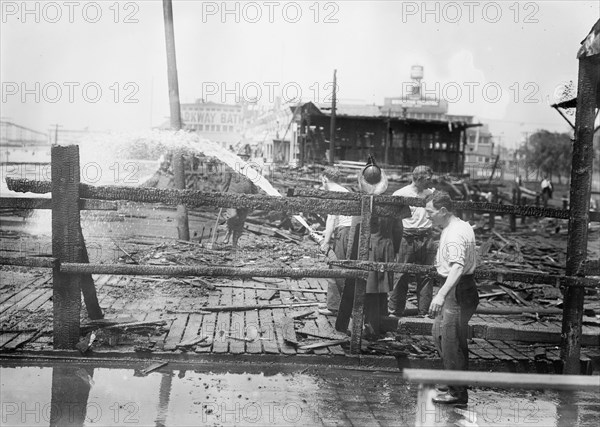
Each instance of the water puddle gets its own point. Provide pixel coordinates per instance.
(77, 394)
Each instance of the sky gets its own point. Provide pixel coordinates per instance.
(102, 65)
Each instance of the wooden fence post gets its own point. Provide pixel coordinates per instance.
(358, 307)
(66, 294)
(513, 217)
(581, 185)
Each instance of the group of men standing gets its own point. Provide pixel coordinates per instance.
(410, 239)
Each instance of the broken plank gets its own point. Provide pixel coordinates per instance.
(288, 330)
(192, 331)
(323, 344)
(191, 341)
(326, 328)
(175, 332)
(303, 314)
(284, 346)
(267, 295)
(514, 295)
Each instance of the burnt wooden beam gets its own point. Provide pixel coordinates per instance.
(185, 270)
(336, 203)
(46, 203)
(38, 262)
(581, 186)
(498, 275)
(321, 194)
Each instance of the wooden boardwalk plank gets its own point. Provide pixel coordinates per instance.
(221, 341)
(237, 328)
(252, 323)
(9, 298)
(477, 347)
(496, 351)
(209, 322)
(510, 349)
(267, 328)
(324, 325)
(5, 337)
(22, 339)
(23, 302)
(278, 315)
(176, 332)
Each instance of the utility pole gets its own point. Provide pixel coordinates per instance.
(332, 125)
(183, 230)
(526, 156)
(56, 126)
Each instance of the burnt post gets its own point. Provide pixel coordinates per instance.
(358, 307)
(183, 230)
(515, 201)
(66, 244)
(332, 130)
(581, 185)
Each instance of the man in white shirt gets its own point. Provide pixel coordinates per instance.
(457, 299)
(416, 246)
(337, 230)
(546, 190)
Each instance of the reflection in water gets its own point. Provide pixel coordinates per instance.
(70, 391)
(164, 396)
(71, 394)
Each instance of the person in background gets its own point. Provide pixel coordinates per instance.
(237, 183)
(337, 230)
(372, 180)
(457, 299)
(416, 246)
(546, 190)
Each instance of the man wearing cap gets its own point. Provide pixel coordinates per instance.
(337, 230)
(416, 246)
(457, 299)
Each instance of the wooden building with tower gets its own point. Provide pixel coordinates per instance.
(394, 140)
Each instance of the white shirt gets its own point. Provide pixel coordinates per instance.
(418, 218)
(457, 245)
(340, 220)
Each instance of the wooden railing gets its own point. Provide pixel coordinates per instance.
(72, 270)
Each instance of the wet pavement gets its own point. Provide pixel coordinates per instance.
(117, 393)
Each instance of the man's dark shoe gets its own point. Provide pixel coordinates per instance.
(448, 399)
(441, 388)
